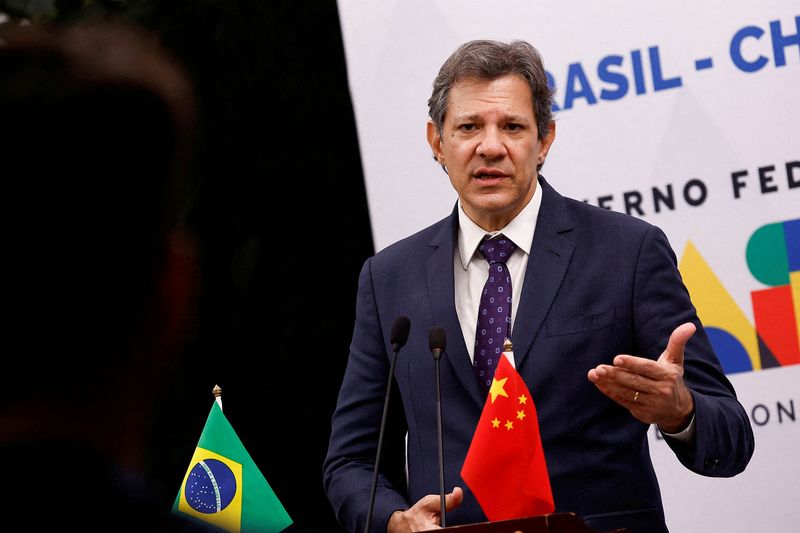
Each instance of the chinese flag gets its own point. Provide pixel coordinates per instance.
(505, 466)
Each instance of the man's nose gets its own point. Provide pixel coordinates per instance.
(491, 145)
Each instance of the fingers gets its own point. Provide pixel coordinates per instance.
(433, 502)
(677, 343)
(629, 372)
(454, 499)
(426, 513)
(621, 385)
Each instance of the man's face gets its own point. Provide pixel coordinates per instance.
(490, 147)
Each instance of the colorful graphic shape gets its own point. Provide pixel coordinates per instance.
(775, 322)
(766, 255)
(732, 355)
(732, 335)
(794, 278)
(773, 257)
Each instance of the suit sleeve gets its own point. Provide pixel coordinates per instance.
(724, 441)
(355, 428)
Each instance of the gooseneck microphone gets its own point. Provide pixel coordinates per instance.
(437, 341)
(397, 338)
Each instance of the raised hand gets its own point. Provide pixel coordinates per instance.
(653, 391)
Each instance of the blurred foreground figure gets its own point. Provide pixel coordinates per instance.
(95, 151)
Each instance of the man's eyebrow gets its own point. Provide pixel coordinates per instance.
(474, 117)
(516, 118)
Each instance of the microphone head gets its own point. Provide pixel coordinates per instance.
(437, 340)
(400, 329)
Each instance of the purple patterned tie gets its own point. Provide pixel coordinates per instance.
(494, 313)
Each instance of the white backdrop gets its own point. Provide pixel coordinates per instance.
(697, 97)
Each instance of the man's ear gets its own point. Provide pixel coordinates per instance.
(435, 141)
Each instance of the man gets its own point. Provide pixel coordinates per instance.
(99, 276)
(603, 330)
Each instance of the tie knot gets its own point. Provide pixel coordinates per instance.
(497, 249)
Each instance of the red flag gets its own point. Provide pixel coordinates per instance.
(505, 466)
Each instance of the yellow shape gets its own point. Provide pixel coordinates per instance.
(495, 423)
(794, 280)
(715, 306)
(523, 399)
(229, 518)
(521, 414)
(497, 388)
(509, 425)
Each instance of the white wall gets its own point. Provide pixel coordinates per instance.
(741, 114)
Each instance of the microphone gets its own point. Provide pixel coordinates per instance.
(397, 338)
(437, 341)
(399, 334)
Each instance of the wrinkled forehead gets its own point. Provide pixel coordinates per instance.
(509, 94)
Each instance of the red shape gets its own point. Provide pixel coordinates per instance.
(776, 323)
(505, 466)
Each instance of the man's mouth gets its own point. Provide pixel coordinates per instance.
(488, 174)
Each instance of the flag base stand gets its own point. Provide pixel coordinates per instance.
(548, 523)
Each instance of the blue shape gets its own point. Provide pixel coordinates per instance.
(791, 233)
(780, 41)
(659, 82)
(702, 64)
(577, 86)
(741, 63)
(638, 74)
(210, 486)
(732, 355)
(615, 78)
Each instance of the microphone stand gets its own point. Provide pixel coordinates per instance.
(437, 341)
(399, 336)
(437, 354)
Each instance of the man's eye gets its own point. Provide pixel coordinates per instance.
(513, 127)
(467, 127)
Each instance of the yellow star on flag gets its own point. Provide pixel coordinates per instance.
(497, 388)
(509, 425)
(521, 414)
(523, 399)
(495, 423)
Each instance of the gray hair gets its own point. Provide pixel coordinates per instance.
(488, 60)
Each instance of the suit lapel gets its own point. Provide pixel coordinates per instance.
(551, 252)
(441, 288)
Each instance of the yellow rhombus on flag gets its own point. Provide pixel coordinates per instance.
(224, 487)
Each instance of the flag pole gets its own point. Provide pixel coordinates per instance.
(217, 392)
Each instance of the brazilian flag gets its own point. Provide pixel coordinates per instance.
(224, 487)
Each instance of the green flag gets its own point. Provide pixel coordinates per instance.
(224, 487)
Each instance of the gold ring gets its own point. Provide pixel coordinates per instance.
(636, 396)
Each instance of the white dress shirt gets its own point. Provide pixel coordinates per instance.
(470, 268)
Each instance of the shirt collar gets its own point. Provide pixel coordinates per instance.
(519, 230)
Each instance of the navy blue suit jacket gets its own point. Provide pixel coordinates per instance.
(597, 284)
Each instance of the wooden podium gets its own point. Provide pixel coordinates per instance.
(548, 523)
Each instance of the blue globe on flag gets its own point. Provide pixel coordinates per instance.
(210, 486)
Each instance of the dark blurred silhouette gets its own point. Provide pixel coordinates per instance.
(274, 113)
(96, 152)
